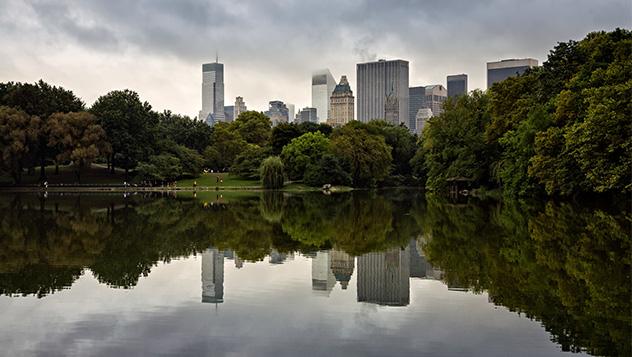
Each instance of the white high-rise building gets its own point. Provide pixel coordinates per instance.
(291, 111)
(323, 84)
(212, 93)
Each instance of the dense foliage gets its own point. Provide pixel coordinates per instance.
(559, 129)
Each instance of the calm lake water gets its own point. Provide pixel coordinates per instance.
(382, 274)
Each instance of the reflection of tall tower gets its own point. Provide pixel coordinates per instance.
(383, 277)
(212, 276)
(417, 261)
(342, 265)
(323, 278)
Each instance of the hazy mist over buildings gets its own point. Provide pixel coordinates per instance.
(270, 48)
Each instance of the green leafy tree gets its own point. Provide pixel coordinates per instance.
(282, 134)
(253, 127)
(226, 145)
(328, 170)
(19, 140)
(76, 137)
(163, 167)
(248, 162)
(130, 126)
(303, 151)
(272, 173)
(183, 130)
(454, 144)
(366, 157)
(402, 142)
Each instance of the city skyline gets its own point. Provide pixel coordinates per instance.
(101, 46)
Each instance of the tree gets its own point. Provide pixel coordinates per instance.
(226, 145)
(402, 142)
(76, 137)
(248, 162)
(454, 142)
(192, 162)
(328, 170)
(183, 130)
(19, 133)
(272, 173)
(303, 151)
(129, 124)
(253, 127)
(163, 167)
(40, 99)
(366, 157)
(282, 134)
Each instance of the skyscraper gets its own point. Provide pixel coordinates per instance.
(501, 70)
(291, 111)
(457, 85)
(421, 118)
(212, 93)
(306, 115)
(383, 277)
(240, 106)
(277, 112)
(434, 97)
(375, 81)
(323, 84)
(229, 113)
(212, 276)
(415, 102)
(341, 104)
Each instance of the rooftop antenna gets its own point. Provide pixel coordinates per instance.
(216, 57)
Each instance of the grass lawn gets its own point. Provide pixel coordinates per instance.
(93, 175)
(210, 180)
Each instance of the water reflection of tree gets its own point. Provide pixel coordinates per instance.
(567, 267)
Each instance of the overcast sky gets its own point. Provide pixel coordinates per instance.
(270, 48)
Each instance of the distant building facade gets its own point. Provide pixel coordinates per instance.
(306, 115)
(501, 70)
(391, 109)
(240, 107)
(341, 104)
(421, 119)
(323, 84)
(229, 113)
(277, 112)
(375, 81)
(415, 102)
(212, 93)
(457, 85)
(434, 97)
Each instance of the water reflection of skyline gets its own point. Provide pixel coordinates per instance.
(383, 278)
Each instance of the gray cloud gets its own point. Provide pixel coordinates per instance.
(270, 47)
